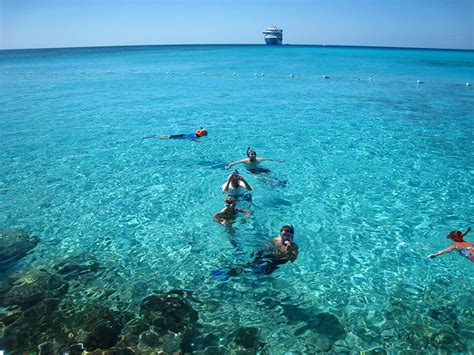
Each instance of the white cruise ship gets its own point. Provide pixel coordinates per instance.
(273, 35)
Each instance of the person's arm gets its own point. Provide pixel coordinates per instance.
(292, 251)
(234, 163)
(218, 217)
(247, 186)
(441, 252)
(270, 159)
(226, 185)
(153, 136)
(247, 212)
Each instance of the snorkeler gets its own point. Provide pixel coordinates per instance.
(228, 214)
(252, 162)
(464, 248)
(274, 253)
(236, 185)
(277, 252)
(202, 132)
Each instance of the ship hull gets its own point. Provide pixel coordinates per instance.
(273, 41)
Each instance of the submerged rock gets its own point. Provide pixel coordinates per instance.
(32, 317)
(77, 265)
(445, 314)
(49, 347)
(94, 326)
(447, 340)
(166, 323)
(329, 325)
(247, 337)
(149, 341)
(28, 289)
(104, 336)
(15, 244)
(168, 312)
(322, 329)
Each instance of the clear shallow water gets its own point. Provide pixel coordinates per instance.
(378, 173)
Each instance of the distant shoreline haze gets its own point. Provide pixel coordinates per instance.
(241, 44)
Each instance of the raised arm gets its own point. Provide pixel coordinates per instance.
(441, 252)
(247, 186)
(270, 159)
(234, 163)
(292, 252)
(247, 212)
(225, 188)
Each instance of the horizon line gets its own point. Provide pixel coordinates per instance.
(245, 44)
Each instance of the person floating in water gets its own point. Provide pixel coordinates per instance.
(464, 248)
(236, 185)
(274, 253)
(252, 162)
(202, 132)
(228, 214)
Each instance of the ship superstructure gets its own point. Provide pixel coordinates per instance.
(273, 35)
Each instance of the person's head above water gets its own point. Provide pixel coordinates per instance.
(457, 235)
(229, 201)
(201, 132)
(235, 176)
(287, 233)
(251, 154)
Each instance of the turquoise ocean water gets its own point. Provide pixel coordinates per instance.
(375, 174)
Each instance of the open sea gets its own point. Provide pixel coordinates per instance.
(377, 169)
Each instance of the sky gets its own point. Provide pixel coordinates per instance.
(82, 23)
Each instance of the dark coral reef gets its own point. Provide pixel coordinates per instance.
(38, 316)
(15, 244)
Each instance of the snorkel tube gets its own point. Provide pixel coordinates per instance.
(458, 236)
(468, 230)
(251, 154)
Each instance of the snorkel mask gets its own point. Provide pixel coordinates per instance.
(287, 236)
(235, 177)
(251, 154)
(457, 236)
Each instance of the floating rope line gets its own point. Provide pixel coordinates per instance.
(292, 76)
